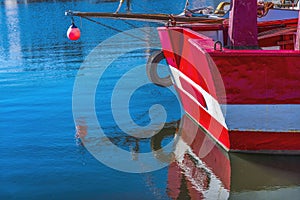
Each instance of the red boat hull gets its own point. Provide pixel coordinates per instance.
(259, 89)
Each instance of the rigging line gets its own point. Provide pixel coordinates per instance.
(130, 24)
(134, 26)
(113, 28)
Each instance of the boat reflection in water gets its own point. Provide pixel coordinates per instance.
(204, 171)
(200, 169)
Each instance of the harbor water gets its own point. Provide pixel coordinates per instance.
(80, 119)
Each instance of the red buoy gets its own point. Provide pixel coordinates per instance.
(73, 32)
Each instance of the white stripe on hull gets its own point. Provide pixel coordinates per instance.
(213, 106)
(249, 117)
(257, 117)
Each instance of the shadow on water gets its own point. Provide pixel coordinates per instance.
(123, 140)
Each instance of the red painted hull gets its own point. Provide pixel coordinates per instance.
(259, 88)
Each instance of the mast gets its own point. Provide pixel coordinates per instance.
(243, 24)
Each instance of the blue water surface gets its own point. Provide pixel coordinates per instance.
(40, 158)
